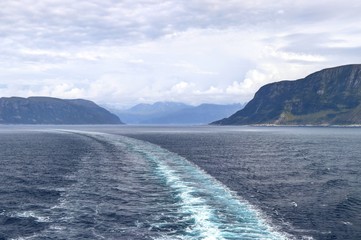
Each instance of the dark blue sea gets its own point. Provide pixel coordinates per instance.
(202, 182)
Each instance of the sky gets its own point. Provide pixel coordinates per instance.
(124, 52)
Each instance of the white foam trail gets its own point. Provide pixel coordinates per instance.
(26, 238)
(194, 205)
(31, 214)
(184, 176)
(217, 212)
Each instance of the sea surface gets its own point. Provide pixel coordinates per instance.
(177, 182)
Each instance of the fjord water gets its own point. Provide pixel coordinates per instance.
(180, 183)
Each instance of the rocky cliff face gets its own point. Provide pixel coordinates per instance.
(328, 97)
(45, 110)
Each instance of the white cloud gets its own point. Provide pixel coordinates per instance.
(194, 51)
(180, 87)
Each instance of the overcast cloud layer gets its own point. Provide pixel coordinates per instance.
(126, 52)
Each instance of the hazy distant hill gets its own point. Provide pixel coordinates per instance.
(176, 113)
(144, 112)
(202, 114)
(46, 110)
(330, 96)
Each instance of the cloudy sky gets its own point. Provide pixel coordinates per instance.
(123, 52)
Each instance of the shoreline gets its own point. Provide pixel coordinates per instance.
(305, 125)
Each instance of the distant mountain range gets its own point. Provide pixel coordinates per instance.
(175, 113)
(46, 110)
(328, 97)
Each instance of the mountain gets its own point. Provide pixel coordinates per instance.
(142, 113)
(328, 97)
(46, 110)
(176, 113)
(201, 114)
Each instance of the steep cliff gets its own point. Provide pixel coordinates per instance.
(329, 97)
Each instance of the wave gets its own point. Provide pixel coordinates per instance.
(203, 207)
